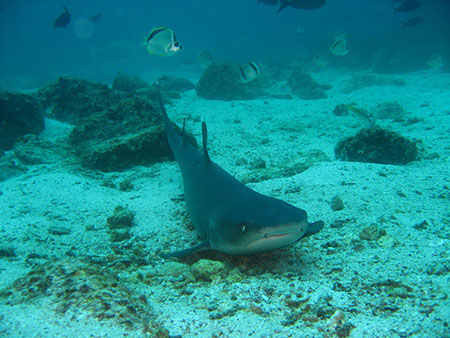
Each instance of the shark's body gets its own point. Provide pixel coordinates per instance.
(231, 217)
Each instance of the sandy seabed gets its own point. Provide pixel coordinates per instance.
(333, 284)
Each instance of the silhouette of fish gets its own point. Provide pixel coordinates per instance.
(63, 19)
(302, 4)
(268, 2)
(96, 17)
(407, 6)
(417, 20)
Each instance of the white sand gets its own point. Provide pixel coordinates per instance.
(394, 197)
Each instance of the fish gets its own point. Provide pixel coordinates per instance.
(407, 6)
(363, 114)
(436, 61)
(95, 18)
(63, 19)
(162, 41)
(417, 20)
(339, 48)
(229, 216)
(321, 59)
(302, 4)
(249, 72)
(339, 36)
(204, 59)
(268, 2)
(300, 29)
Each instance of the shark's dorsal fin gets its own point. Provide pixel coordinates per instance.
(205, 142)
(183, 132)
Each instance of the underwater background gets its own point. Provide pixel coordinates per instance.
(341, 110)
(231, 30)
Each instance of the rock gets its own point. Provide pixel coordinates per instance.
(127, 83)
(258, 163)
(340, 110)
(304, 86)
(386, 242)
(173, 269)
(126, 185)
(389, 110)
(122, 218)
(221, 82)
(372, 233)
(71, 99)
(208, 270)
(7, 252)
(377, 145)
(170, 83)
(119, 235)
(20, 114)
(129, 133)
(337, 204)
(439, 268)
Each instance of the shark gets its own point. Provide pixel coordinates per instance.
(229, 216)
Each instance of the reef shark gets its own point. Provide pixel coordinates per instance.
(229, 216)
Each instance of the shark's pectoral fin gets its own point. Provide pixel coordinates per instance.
(202, 246)
(313, 228)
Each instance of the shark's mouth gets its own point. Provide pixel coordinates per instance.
(271, 242)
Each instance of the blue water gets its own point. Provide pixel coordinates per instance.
(236, 30)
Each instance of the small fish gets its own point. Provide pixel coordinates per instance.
(362, 113)
(249, 72)
(321, 59)
(436, 61)
(339, 48)
(407, 6)
(268, 2)
(162, 41)
(300, 29)
(417, 20)
(302, 4)
(96, 17)
(340, 36)
(63, 19)
(204, 59)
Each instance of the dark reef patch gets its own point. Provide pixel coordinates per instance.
(73, 286)
(377, 145)
(20, 114)
(305, 87)
(170, 83)
(128, 83)
(221, 82)
(71, 99)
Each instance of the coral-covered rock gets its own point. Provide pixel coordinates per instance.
(127, 134)
(221, 82)
(305, 87)
(390, 110)
(377, 145)
(128, 83)
(170, 83)
(20, 114)
(71, 99)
